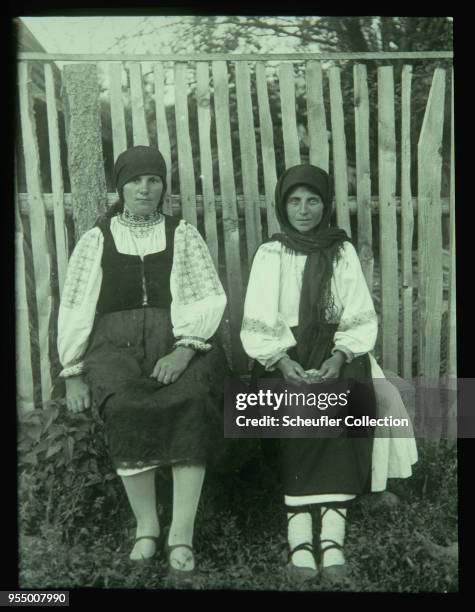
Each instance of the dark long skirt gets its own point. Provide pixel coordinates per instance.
(317, 466)
(146, 422)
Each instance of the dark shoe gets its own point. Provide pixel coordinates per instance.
(146, 560)
(334, 575)
(300, 575)
(177, 576)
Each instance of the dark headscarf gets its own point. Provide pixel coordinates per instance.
(131, 163)
(322, 245)
(136, 161)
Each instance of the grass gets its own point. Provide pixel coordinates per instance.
(240, 538)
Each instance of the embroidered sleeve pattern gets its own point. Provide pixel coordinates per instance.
(197, 344)
(195, 271)
(265, 334)
(198, 298)
(79, 270)
(72, 370)
(255, 326)
(78, 301)
(357, 320)
(358, 327)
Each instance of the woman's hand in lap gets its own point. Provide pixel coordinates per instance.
(292, 371)
(331, 367)
(78, 396)
(169, 368)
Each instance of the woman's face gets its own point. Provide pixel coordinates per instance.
(304, 208)
(142, 194)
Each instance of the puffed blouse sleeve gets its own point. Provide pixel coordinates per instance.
(265, 335)
(198, 298)
(358, 327)
(79, 300)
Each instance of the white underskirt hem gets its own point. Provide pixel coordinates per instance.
(302, 500)
(134, 471)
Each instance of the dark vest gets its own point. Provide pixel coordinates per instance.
(125, 276)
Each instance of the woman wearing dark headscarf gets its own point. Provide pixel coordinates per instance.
(140, 305)
(308, 308)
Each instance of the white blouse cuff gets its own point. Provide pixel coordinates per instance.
(349, 354)
(72, 370)
(198, 344)
(271, 362)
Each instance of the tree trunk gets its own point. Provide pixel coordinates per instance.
(84, 138)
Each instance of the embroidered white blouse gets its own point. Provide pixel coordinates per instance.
(198, 298)
(272, 304)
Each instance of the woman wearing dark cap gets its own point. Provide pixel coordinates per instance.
(140, 306)
(308, 308)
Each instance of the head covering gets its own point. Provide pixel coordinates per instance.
(136, 161)
(322, 244)
(310, 176)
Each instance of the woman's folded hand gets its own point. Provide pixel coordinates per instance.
(292, 371)
(169, 368)
(78, 396)
(331, 367)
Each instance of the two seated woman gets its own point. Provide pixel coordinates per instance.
(140, 307)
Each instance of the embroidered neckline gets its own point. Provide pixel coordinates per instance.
(128, 218)
(140, 225)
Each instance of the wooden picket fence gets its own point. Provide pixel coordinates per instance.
(240, 221)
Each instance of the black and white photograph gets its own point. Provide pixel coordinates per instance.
(235, 304)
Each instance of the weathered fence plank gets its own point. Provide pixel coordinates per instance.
(139, 123)
(163, 137)
(387, 218)
(429, 237)
(429, 240)
(289, 117)
(39, 242)
(24, 367)
(451, 374)
(203, 100)
(339, 151)
(247, 142)
(229, 209)
(317, 124)
(452, 339)
(407, 225)
(185, 155)
(85, 154)
(119, 135)
(267, 147)
(60, 235)
(363, 176)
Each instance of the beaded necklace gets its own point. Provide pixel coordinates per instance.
(140, 225)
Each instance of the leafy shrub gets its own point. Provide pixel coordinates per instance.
(65, 476)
